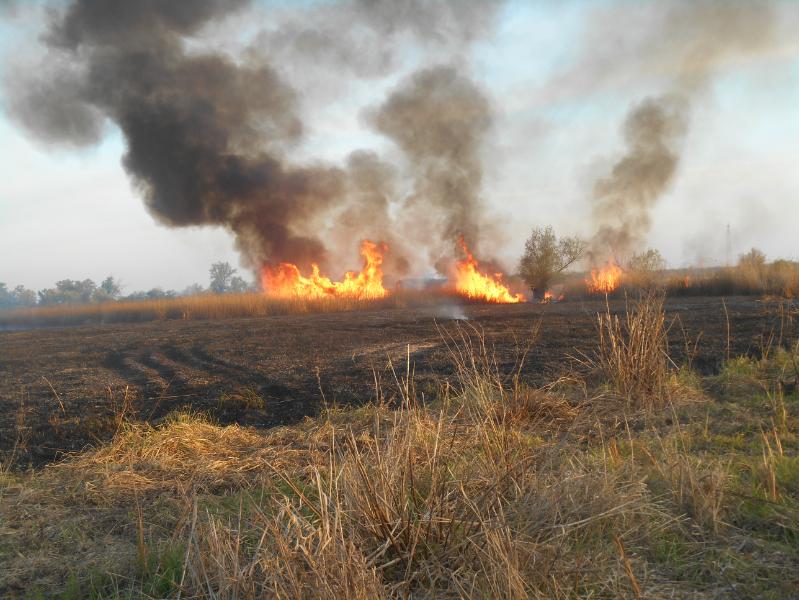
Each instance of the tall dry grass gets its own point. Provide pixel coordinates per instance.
(632, 353)
(779, 278)
(203, 307)
(443, 501)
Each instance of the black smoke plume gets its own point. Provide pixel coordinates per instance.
(207, 135)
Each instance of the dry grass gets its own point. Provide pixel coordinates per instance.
(206, 307)
(431, 502)
(779, 279)
(489, 489)
(632, 355)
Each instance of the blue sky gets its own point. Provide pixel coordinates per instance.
(67, 213)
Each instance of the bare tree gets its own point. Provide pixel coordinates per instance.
(545, 257)
(221, 273)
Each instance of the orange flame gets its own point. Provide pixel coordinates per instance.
(606, 279)
(286, 281)
(550, 297)
(472, 283)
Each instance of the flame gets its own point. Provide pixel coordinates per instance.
(606, 279)
(550, 297)
(472, 283)
(679, 282)
(286, 281)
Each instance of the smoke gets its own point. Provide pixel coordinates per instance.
(372, 190)
(362, 36)
(8, 7)
(439, 119)
(203, 134)
(624, 198)
(208, 135)
(674, 44)
(687, 45)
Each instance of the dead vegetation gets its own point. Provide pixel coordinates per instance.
(485, 488)
(751, 277)
(632, 353)
(208, 306)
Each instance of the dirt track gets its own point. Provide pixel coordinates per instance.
(59, 387)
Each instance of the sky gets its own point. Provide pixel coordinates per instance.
(560, 77)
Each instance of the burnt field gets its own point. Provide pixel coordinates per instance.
(64, 389)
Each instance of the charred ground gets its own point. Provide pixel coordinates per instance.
(64, 389)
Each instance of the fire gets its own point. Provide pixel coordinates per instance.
(549, 297)
(472, 283)
(606, 279)
(286, 281)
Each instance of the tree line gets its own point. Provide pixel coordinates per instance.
(223, 279)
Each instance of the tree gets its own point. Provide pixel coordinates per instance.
(754, 259)
(68, 291)
(238, 285)
(751, 272)
(643, 269)
(157, 293)
(545, 257)
(19, 296)
(23, 296)
(221, 274)
(647, 262)
(111, 287)
(6, 296)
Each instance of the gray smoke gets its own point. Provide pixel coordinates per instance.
(363, 36)
(623, 199)
(439, 119)
(207, 135)
(686, 43)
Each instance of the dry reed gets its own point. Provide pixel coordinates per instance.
(632, 354)
(208, 306)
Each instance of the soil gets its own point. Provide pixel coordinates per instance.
(64, 389)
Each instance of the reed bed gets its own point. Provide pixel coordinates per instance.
(208, 307)
(779, 279)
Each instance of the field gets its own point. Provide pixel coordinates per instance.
(68, 385)
(150, 450)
